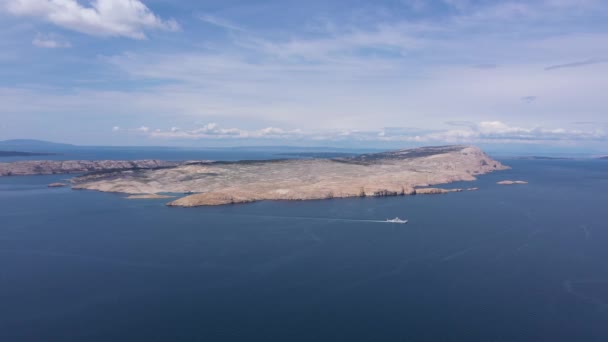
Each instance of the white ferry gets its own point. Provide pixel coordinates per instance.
(396, 220)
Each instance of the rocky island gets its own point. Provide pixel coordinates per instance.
(376, 174)
(511, 182)
(49, 167)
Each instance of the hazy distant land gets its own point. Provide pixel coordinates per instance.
(324, 155)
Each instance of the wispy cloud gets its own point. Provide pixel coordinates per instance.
(50, 41)
(221, 23)
(141, 129)
(577, 64)
(401, 63)
(105, 18)
(529, 99)
(485, 66)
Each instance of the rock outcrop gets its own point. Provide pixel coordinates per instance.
(49, 167)
(511, 182)
(435, 191)
(378, 174)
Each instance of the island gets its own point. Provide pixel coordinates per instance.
(393, 173)
(50, 167)
(511, 182)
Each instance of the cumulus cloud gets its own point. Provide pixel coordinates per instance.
(50, 42)
(497, 131)
(211, 131)
(344, 75)
(141, 129)
(104, 18)
(465, 132)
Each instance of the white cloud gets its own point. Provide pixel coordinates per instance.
(529, 98)
(141, 129)
(211, 131)
(467, 132)
(104, 18)
(50, 42)
(577, 64)
(352, 79)
(219, 22)
(497, 131)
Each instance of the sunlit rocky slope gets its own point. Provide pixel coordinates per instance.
(378, 174)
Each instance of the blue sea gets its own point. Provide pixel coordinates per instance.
(504, 263)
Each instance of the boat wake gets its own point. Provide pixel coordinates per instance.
(328, 219)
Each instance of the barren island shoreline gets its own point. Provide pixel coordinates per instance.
(391, 173)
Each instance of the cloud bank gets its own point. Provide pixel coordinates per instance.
(467, 132)
(104, 18)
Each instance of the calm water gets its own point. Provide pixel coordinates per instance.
(133, 153)
(505, 263)
(168, 153)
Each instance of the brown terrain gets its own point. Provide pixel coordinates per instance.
(49, 167)
(379, 174)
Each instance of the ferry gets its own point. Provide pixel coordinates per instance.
(396, 220)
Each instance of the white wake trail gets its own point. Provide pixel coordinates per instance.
(310, 218)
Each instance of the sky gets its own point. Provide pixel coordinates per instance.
(285, 72)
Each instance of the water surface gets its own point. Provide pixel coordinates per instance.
(505, 263)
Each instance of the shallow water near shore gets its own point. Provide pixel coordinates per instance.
(504, 263)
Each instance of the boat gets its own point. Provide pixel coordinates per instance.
(396, 220)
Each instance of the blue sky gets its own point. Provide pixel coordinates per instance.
(345, 73)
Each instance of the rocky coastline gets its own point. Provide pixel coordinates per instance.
(393, 173)
(50, 167)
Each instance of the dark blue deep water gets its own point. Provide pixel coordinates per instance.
(505, 263)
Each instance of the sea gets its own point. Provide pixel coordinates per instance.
(504, 263)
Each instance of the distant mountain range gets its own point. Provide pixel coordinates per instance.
(31, 145)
